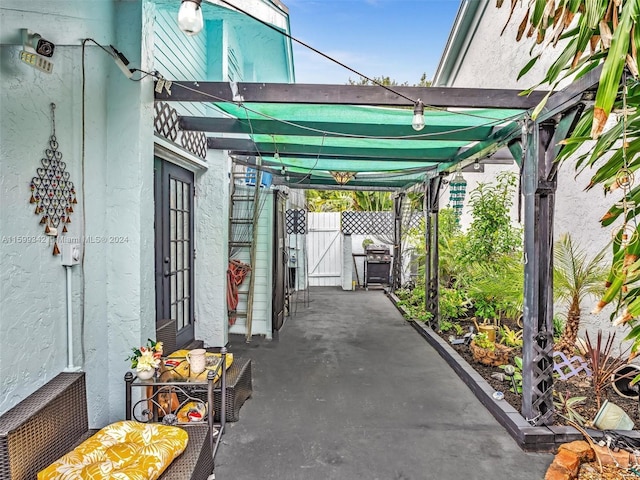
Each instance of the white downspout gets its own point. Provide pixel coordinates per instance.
(70, 257)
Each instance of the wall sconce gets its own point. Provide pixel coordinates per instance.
(35, 50)
(342, 178)
(418, 116)
(190, 18)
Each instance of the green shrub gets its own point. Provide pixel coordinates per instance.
(453, 304)
(482, 341)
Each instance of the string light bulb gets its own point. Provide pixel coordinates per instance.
(476, 165)
(418, 116)
(190, 18)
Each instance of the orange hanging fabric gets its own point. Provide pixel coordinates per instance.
(236, 273)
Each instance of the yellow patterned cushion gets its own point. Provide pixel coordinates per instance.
(124, 450)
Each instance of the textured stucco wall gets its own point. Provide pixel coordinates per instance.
(129, 202)
(114, 216)
(211, 230)
(32, 280)
(114, 290)
(577, 211)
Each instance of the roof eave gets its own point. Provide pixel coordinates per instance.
(464, 27)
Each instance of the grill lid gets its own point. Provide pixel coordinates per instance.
(377, 249)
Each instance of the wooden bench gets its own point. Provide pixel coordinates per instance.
(53, 420)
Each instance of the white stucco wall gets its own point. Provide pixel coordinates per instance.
(212, 233)
(114, 215)
(32, 280)
(488, 47)
(577, 211)
(114, 290)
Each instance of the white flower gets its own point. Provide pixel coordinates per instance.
(146, 361)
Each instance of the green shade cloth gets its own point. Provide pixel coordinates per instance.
(376, 142)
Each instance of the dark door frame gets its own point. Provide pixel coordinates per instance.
(280, 271)
(164, 172)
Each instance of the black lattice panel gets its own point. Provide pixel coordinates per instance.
(367, 223)
(296, 221)
(195, 142)
(165, 122)
(543, 380)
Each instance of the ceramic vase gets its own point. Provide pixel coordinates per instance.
(145, 374)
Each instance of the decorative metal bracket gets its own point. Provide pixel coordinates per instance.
(172, 404)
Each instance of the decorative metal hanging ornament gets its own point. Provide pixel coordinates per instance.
(625, 179)
(457, 189)
(51, 190)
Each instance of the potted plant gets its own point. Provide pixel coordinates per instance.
(487, 352)
(146, 359)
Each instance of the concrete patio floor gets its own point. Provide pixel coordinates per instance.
(349, 390)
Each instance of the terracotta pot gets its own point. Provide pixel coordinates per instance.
(496, 357)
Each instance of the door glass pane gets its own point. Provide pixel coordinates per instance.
(180, 316)
(172, 299)
(179, 263)
(172, 225)
(179, 196)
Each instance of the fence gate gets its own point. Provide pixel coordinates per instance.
(324, 247)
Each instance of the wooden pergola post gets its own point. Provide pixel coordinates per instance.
(542, 145)
(431, 281)
(396, 276)
(539, 187)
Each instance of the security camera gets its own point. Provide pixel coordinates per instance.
(37, 43)
(44, 47)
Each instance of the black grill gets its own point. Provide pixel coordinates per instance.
(377, 265)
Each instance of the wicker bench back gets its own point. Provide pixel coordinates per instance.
(43, 427)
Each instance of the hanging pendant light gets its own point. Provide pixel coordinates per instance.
(342, 178)
(190, 18)
(418, 116)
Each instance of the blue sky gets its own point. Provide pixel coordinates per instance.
(400, 39)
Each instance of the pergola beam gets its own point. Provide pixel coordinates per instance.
(310, 128)
(292, 93)
(571, 95)
(239, 146)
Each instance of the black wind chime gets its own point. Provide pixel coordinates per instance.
(52, 191)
